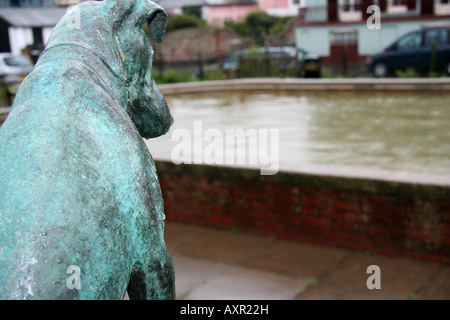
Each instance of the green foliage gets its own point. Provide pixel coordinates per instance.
(3, 96)
(259, 21)
(408, 73)
(172, 76)
(240, 28)
(184, 21)
(279, 25)
(193, 11)
(257, 24)
(236, 231)
(215, 74)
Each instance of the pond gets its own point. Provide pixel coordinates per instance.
(381, 130)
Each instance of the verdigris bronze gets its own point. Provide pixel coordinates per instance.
(81, 211)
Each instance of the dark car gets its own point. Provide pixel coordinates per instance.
(420, 50)
(308, 65)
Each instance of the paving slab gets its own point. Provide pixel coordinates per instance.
(327, 292)
(296, 259)
(223, 246)
(397, 275)
(219, 265)
(176, 234)
(438, 287)
(191, 273)
(239, 283)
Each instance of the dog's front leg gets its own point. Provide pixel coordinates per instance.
(152, 276)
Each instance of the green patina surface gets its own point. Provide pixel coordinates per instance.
(78, 186)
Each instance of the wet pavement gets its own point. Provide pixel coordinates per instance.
(223, 265)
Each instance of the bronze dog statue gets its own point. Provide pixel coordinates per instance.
(81, 210)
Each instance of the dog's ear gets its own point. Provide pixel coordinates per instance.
(157, 24)
(139, 12)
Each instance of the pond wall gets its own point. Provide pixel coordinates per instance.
(391, 213)
(388, 217)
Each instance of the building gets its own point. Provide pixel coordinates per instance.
(217, 12)
(29, 23)
(176, 6)
(214, 12)
(342, 31)
(281, 8)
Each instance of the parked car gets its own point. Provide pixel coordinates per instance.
(414, 50)
(308, 65)
(14, 68)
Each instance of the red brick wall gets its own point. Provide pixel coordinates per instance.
(383, 217)
(185, 45)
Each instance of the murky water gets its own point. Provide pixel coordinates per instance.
(385, 130)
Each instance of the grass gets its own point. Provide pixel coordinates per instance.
(408, 73)
(3, 97)
(172, 76)
(235, 231)
(182, 297)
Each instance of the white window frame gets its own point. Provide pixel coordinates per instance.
(441, 8)
(393, 7)
(352, 14)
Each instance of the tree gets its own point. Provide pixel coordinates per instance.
(183, 21)
(258, 24)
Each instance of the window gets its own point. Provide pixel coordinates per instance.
(37, 36)
(397, 6)
(344, 37)
(350, 5)
(442, 7)
(431, 36)
(30, 3)
(439, 36)
(411, 41)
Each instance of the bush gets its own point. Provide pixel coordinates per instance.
(256, 24)
(183, 21)
(172, 76)
(408, 73)
(279, 25)
(239, 27)
(3, 96)
(259, 24)
(193, 11)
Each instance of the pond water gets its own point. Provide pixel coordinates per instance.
(383, 130)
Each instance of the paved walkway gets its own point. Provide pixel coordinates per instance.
(221, 265)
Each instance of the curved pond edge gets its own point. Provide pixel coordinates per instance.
(361, 84)
(381, 211)
(264, 84)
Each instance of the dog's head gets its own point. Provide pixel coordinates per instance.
(113, 30)
(148, 108)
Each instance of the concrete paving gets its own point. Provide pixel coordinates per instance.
(222, 265)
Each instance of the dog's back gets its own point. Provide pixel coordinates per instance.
(68, 175)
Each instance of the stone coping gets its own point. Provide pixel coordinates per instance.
(426, 186)
(358, 84)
